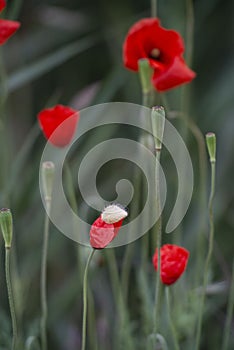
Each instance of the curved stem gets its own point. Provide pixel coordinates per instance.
(173, 330)
(159, 242)
(85, 301)
(230, 307)
(208, 258)
(43, 281)
(11, 299)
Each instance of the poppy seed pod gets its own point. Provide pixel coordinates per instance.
(6, 226)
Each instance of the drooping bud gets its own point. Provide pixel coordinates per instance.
(158, 124)
(113, 213)
(47, 179)
(211, 146)
(146, 73)
(6, 223)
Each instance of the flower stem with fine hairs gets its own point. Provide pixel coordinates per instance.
(230, 307)
(173, 330)
(43, 281)
(85, 301)
(209, 254)
(159, 243)
(10, 297)
(153, 8)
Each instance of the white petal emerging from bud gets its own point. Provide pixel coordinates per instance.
(113, 213)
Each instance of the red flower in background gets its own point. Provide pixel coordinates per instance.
(50, 120)
(2, 4)
(7, 27)
(163, 48)
(173, 262)
(102, 232)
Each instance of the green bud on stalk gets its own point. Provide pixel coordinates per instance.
(146, 73)
(158, 124)
(47, 179)
(211, 145)
(6, 223)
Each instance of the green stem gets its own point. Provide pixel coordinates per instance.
(230, 307)
(11, 299)
(124, 331)
(208, 258)
(159, 243)
(44, 280)
(171, 323)
(153, 8)
(85, 301)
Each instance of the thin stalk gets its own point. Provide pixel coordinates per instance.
(85, 301)
(119, 301)
(171, 323)
(230, 307)
(11, 299)
(153, 8)
(44, 310)
(159, 243)
(208, 258)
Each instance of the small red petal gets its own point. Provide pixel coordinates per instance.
(174, 260)
(7, 29)
(101, 233)
(58, 124)
(2, 4)
(174, 75)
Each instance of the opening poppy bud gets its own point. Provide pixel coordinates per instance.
(211, 145)
(158, 124)
(113, 213)
(146, 73)
(47, 179)
(6, 226)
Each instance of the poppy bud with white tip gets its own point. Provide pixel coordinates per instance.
(113, 213)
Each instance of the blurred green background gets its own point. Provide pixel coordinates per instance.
(70, 52)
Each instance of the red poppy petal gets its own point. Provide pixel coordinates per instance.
(175, 74)
(173, 262)
(101, 234)
(7, 29)
(58, 124)
(2, 4)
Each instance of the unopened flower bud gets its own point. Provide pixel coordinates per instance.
(47, 179)
(211, 145)
(146, 73)
(113, 213)
(158, 124)
(6, 226)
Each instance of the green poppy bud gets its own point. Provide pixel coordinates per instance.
(211, 145)
(146, 73)
(6, 226)
(47, 179)
(158, 123)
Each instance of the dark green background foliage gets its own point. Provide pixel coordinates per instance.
(70, 52)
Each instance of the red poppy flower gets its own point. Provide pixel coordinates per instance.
(58, 124)
(7, 29)
(173, 262)
(163, 48)
(2, 4)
